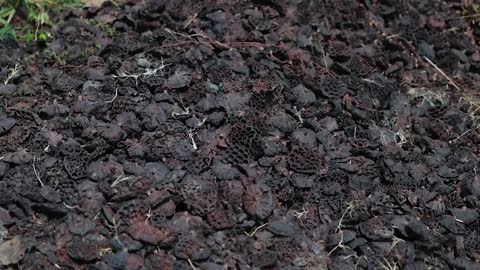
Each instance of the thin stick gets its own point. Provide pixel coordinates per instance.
(37, 175)
(190, 135)
(443, 73)
(475, 111)
(149, 215)
(255, 231)
(372, 81)
(114, 97)
(324, 55)
(190, 21)
(298, 114)
(173, 33)
(394, 35)
(350, 207)
(200, 122)
(115, 227)
(383, 140)
(461, 135)
(191, 264)
(120, 179)
(387, 265)
(70, 207)
(186, 111)
(395, 242)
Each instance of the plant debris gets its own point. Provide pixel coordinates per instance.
(243, 135)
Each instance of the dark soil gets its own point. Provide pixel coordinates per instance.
(244, 135)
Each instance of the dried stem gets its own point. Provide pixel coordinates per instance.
(186, 111)
(460, 136)
(256, 229)
(443, 73)
(115, 226)
(298, 114)
(190, 21)
(114, 97)
(70, 207)
(190, 135)
(37, 175)
(147, 73)
(387, 265)
(191, 37)
(351, 206)
(120, 179)
(191, 264)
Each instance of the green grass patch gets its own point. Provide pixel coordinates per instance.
(26, 19)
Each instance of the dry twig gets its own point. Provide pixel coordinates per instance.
(191, 264)
(190, 135)
(190, 20)
(350, 207)
(120, 179)
(460, 136)
(256, 229)
(37, 175)
(114, 97)
(443, 73)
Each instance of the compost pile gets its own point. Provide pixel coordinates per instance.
(244, 135)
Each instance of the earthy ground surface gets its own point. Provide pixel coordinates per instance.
(244, 135)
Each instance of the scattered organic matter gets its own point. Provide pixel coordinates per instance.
(240, 135)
